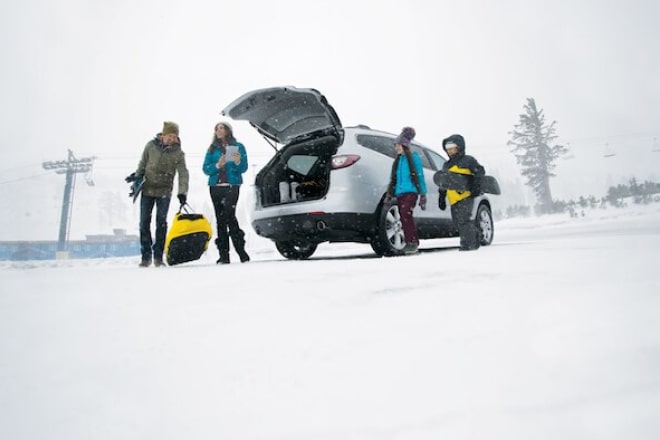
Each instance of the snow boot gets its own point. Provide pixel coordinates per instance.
(238, 240)
(223, 249)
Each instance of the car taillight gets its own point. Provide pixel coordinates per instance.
(343, 161)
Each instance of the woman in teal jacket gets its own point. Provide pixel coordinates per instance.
(225, 162)
(407, 184)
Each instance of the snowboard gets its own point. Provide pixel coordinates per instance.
(463, 182)
(136, 188)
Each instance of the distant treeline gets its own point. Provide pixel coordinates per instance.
(617, 196)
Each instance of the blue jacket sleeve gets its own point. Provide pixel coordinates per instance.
(419, 168)
(243, 166)
(209, 167)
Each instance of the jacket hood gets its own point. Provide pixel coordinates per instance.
(159, 143)
(456, 139)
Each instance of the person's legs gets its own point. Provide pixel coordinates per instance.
(461, 213)
(235, 232)
(219, 199)
(406, 203)
(146, 208)
(162, 208)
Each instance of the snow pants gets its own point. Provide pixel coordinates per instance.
(461, 212)
(407, 203)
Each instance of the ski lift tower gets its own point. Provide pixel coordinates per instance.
(70, 167)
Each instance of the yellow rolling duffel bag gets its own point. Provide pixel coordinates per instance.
(188, 238)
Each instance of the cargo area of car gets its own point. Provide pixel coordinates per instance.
(298, 172)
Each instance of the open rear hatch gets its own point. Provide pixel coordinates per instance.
(285, 113)
(308, 128)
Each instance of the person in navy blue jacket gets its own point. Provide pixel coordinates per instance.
(462, 203)
(407, 184)
(225, 162)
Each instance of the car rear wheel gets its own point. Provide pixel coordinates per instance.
(484, 222)
(390, 239)
(296, 249)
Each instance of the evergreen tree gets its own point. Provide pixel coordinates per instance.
(533, 140)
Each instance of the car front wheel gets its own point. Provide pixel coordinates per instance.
(296, 249)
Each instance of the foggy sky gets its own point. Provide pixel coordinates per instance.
(100, 78)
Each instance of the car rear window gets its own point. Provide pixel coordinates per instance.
(380, 144)
(385, 145)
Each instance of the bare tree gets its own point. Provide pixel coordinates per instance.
(112, 209)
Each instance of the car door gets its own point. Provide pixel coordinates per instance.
(432, 162)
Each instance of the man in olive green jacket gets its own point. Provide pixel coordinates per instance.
(161, 160)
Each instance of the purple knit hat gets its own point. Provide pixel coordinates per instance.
(406, 136)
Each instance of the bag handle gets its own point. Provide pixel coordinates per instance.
(186, 208)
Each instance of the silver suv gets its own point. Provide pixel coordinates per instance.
(327, 182)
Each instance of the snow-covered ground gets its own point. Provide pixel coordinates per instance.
(553, 332)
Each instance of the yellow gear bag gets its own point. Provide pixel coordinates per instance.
(188, 238)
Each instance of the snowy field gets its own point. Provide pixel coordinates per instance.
(553, 332)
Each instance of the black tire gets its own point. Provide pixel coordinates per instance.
(389, 240)
(296, 249)
(485, 225)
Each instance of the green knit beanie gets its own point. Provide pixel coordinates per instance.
(170, 128)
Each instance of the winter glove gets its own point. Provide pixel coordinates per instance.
(422, 202)
(442, 203)
(182, 198)
(131, 178)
